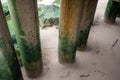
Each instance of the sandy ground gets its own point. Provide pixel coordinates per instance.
(100, 61)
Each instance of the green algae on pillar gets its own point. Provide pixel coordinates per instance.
(82, 39)
(9, 66)
(70, 16)
(111, 11)
(5, 73)
(25, 18)
(86, 22)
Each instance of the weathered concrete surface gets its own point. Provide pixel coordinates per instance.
(7, 52)
(24, 15)
(70, 17)
(86, 23)
(99, 61)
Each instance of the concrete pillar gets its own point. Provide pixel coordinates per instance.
(24, 15)
(9, 66)
(70, 17)
(119, 11)
(111, 11)
(86, 22)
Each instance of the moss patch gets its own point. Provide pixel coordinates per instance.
(5, 73)
(10, 56)
(83, 37)
(111, 11)
(30, 53)
(67, 50)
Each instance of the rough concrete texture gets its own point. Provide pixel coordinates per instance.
(100, 61)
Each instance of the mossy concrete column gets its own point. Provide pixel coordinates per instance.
(70, 17)
(111, 11)
(25, 18)
(86, 22)
(9, 66)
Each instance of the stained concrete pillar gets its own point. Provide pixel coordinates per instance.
(24, 15)
(9, 66)
(86, 22)
(70, 17)
(111, 11)
(119, 11)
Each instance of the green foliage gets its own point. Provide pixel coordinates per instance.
(48, 14)
(9, 21)
(49, 11)
(10, 26)
(57, 3)
(12, 33)
(5, 9)
(11, 29)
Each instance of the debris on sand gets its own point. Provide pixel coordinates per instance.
(85, 75)
(115, 43)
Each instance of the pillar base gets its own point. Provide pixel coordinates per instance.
(66, 59)
(35, 70)
(83, 38)
(111, 11)
(82, 48)
(110, 21)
